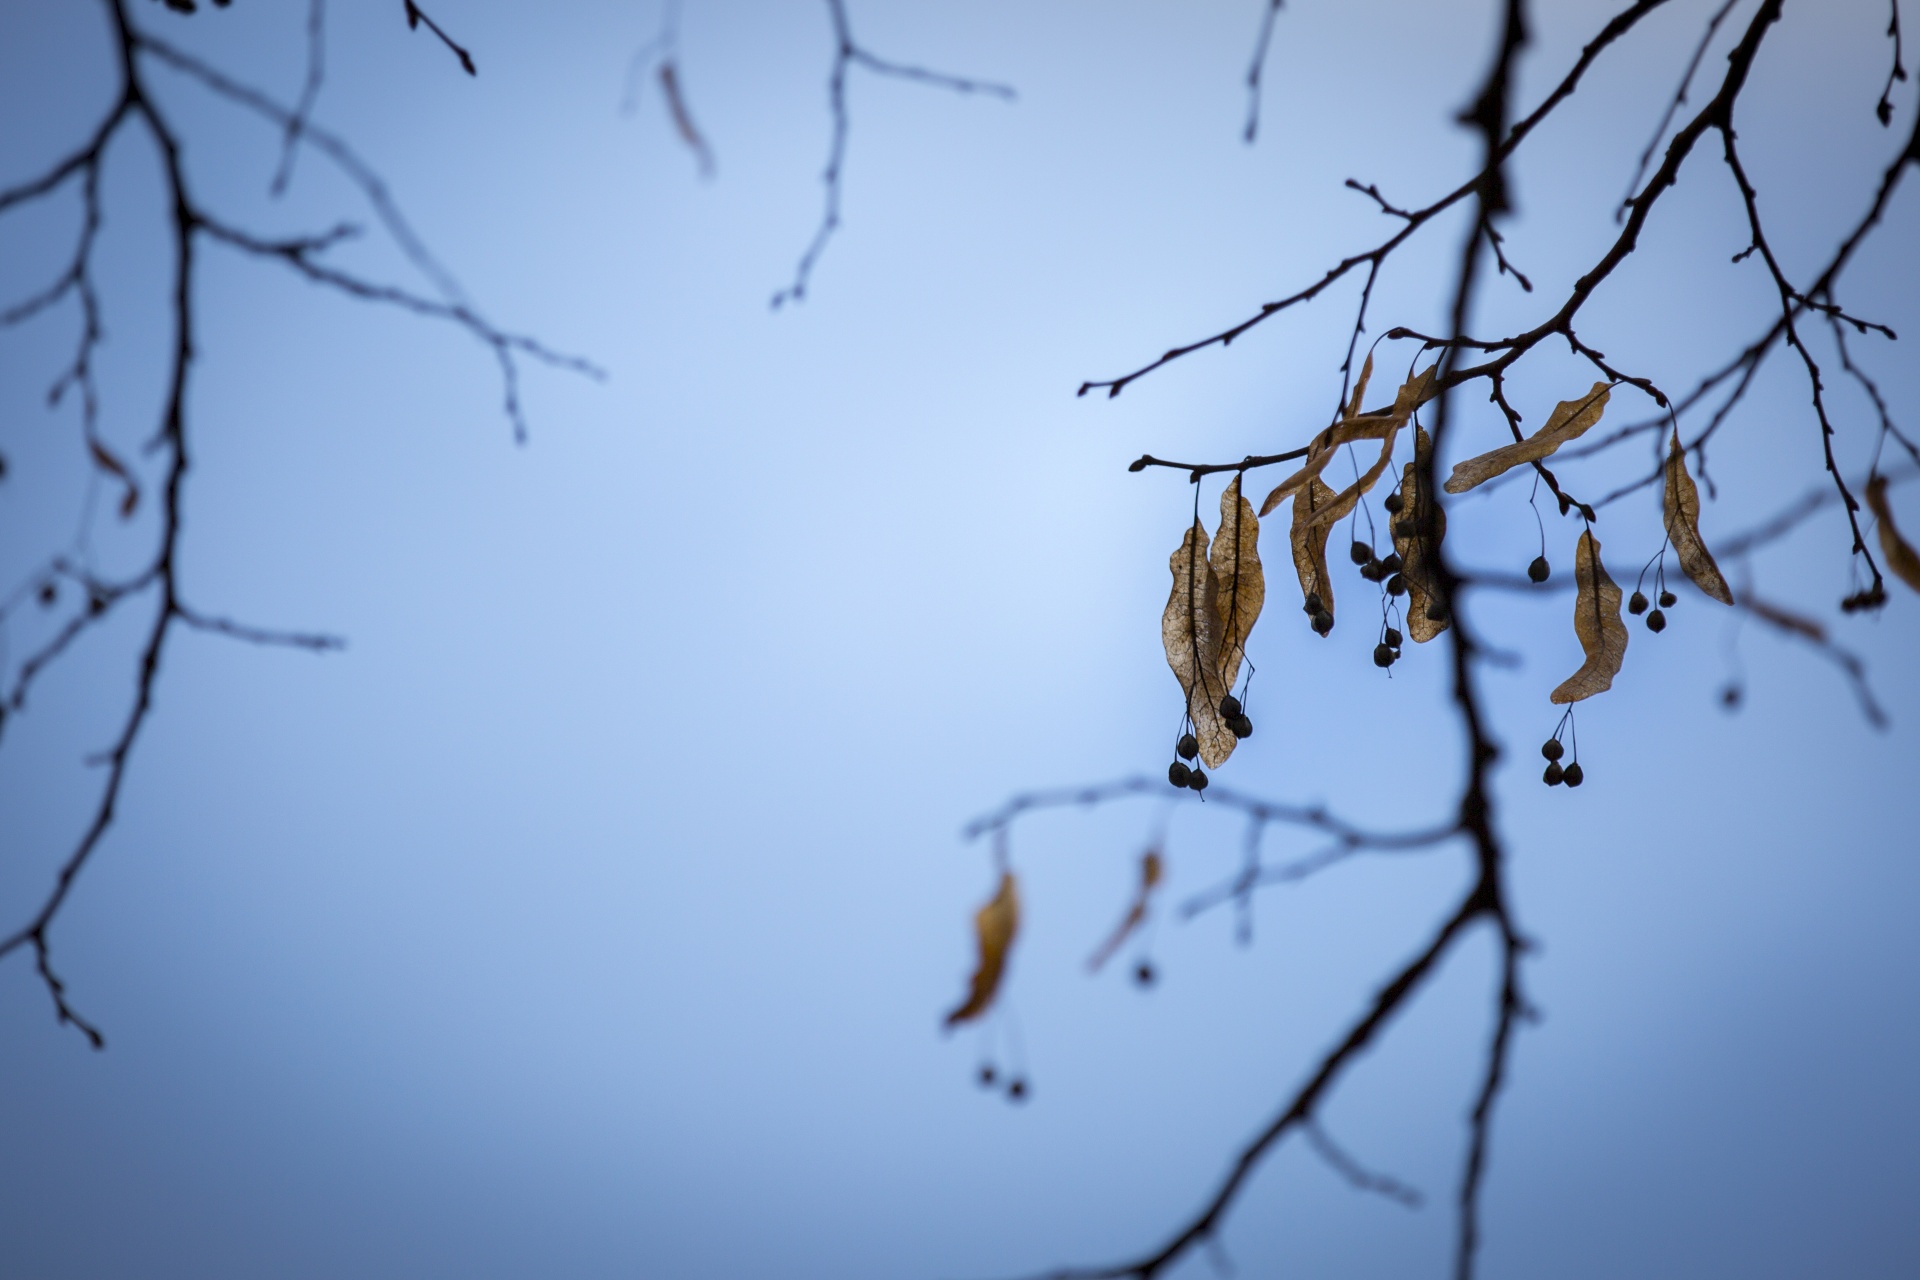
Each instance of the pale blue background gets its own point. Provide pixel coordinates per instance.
(592, 914)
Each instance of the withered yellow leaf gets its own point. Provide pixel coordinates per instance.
(1310, 542)
(1417, 555)
(1681, 505)
(1240, 584)
(993, 926)
(1381, 424)
(1569, 420)
(1901, 557)
(1360, 387)
(1190, 632)
(1596, 620)
(1411, 396)
(1150, 873)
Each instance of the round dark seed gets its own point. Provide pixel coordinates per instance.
(1314, 603)
(1199, 780)
(1383, 655)
(1405, 528)
(1636, 603)
(1391, 564)
(1229, 707)
(1668, 599)
(1552, 749)
(1656, 621)
(1539, 570)
(1392, 638)
(1396, 585)
(1188, 747)
(1554, 774)
(1372, 571)
(1574, 776)
(48, 593)
(1323, 622)
(1393, 504)
(987, 1075)
(1360, 553)
(1178, 774)
(1017, 1091)
(1143, 974)
(1436, 611)
(1241, 726)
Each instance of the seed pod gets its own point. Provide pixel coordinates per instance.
(1178, 774)
(1552, 749)
(1315, 604)
(987, 1074)
(1198, 781)
(1143, 974)
(1393, 504)
(1656, 621)
(1017, 1091)
(1189, 746)
(1539, 570)
(1392, 638)
(1668, 599)
(1322, 622)
(1372, 571)
(1405, 528)
(1383, 656)
(1229, 707)
(1396, 585)
(48, 593)
(1636, 603)
(1360, 553)
(1574, 776)
(1437, 611)
(1391, 564)
(1241, 726)
(1552, 777)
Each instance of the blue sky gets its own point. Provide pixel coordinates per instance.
(592, 914)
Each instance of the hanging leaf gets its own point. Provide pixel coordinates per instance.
(1150, 873)
(1381, 424)
(1239, 581)
(1411, 396)
(1190, 631)
(1901, 557)
(1569, 420)
(1681, 504)
(993, 926)
(129, 499)
(1417, 555)
(1310, 543)
(1596, 620)
(1360, 387)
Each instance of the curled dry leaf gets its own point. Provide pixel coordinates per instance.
(1190, 632)
(1240, 584)
(1310, 542)
(1596, 620)
(1681, 505)
(1151, 870)
(130, 499)
(1569, 420)
(1411, 396)
(1381, 424)
(1417, 554)
(1901, 557)
(993, 926)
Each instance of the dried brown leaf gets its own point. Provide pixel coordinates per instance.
(1901, 557)
(1417, 556)
(1150, 873)
(1681, 505)
(1190, 632)
(1411, 396)
(993, 926)
(1240, 583)
(1596, 620)
(1360, 387)
(1569, 420)
(1310, 542)
(1381, 424)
